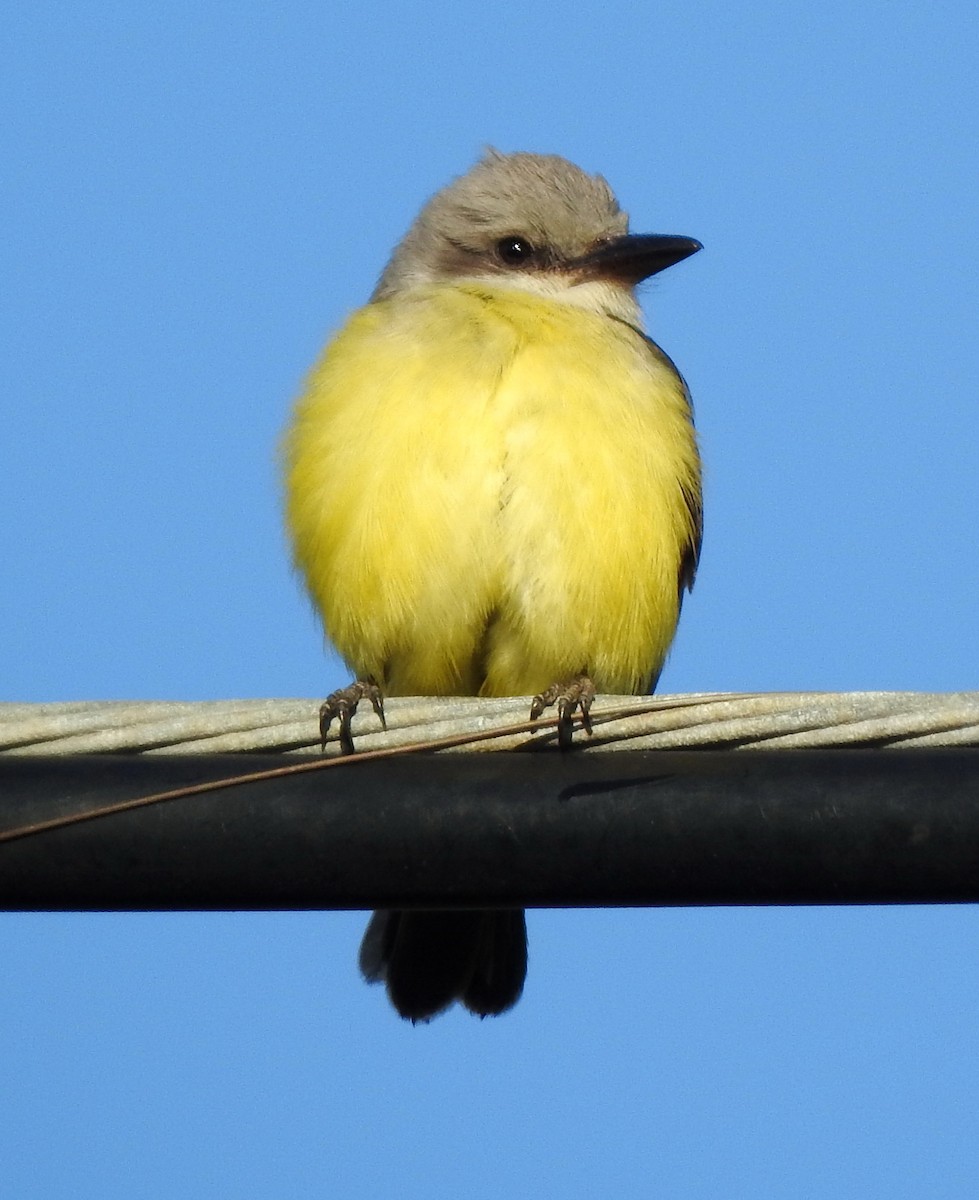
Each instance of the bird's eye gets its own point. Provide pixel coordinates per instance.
(515, 251)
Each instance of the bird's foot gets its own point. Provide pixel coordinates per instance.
(571, 696)
(342, 704)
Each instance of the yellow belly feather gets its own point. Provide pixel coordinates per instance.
(485, 490)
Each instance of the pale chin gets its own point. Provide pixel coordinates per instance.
(600, 296)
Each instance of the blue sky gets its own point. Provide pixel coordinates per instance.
(195, 196)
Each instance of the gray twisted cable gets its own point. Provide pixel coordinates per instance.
(704, 720)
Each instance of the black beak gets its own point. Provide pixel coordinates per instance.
(635, 256)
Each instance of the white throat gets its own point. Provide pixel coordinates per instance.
(598, 296)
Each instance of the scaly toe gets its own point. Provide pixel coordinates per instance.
(342, 704)
(573, 695)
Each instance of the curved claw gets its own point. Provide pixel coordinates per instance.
(342, 704)
(571, 696)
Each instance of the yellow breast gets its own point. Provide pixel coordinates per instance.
(489, 491)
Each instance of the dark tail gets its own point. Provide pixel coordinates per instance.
(428, 960)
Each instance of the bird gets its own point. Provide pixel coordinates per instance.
(493, 487)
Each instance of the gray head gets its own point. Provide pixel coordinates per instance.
(532, 220)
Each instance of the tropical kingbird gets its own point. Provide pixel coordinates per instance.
(493, 488)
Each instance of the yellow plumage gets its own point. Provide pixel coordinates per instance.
(489, 490)
(493, 487)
